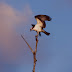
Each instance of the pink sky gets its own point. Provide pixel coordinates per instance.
(10, 41)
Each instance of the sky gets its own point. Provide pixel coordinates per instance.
(54, 53)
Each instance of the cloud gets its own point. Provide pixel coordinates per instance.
(12, 16)
(11, 45)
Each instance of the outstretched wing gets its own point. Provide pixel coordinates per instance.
(43, 17)
(41, 20)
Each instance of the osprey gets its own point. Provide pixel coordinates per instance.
(40, 24)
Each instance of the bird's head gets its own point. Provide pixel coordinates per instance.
(32, 27)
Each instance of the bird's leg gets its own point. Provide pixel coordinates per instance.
(37, 34)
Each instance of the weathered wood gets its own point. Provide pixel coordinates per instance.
(34, 52)
(27, 44)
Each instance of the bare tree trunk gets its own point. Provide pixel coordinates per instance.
(34, 52)
(34, 56)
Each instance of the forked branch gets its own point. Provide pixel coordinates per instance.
(34, 52)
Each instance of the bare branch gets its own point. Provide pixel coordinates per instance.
(34, 52)
(27, 44)
(34, 55)
(36, 45)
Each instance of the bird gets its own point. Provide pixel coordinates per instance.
(39, 27)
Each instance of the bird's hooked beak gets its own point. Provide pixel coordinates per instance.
(31, 28)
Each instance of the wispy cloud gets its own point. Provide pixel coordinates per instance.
(10, 43)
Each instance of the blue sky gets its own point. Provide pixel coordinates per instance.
(54, 52)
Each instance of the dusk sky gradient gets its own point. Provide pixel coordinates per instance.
(54, 53)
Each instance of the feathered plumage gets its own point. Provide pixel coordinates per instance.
(40, 24)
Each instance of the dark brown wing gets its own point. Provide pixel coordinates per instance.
(41, 19)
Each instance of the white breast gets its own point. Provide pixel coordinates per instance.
(37, 28)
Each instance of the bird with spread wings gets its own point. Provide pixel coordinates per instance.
(40, 24)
